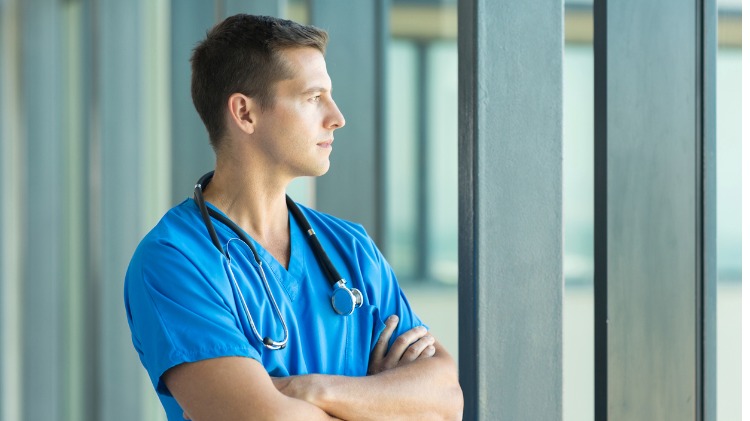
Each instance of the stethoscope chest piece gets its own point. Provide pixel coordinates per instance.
(345, 300)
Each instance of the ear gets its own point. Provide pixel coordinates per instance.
(242, 112)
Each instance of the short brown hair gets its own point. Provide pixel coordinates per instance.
(241, 55)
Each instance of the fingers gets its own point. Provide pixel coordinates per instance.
(428, 352)
(416, 343)
(402, 343)
(381, 347)
(422, 348)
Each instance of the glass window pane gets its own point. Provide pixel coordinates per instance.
(442, 160)
(578, 220)
(401, 176)
(728, 239)
(422, 163)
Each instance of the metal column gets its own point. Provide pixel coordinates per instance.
(510, 209)
(707, 40)
(655, 209)
(130, 160)
(11, 213)
(41, 307)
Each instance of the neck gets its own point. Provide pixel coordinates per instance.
(255, 202)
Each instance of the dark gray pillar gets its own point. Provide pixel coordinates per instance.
(75, 358)
(353, 187)
(510, 209)
(41, 308)
(655, 209)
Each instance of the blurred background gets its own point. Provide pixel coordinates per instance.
(99, 137)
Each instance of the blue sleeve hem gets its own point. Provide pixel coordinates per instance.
(178, 357)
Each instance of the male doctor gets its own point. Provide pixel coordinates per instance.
(199, 307)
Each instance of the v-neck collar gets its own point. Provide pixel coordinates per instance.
(289, 277)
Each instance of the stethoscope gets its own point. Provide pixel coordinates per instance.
(343, 299)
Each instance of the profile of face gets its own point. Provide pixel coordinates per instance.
(295, 133)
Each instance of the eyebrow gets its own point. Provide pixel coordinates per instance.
(315, 89)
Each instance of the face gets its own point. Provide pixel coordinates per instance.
(295, 134)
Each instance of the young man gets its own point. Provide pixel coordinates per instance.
(234, 310)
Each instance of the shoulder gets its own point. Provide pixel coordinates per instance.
(343, 237)
(334, 225)
(175, 265)
(317, 217)
(179, 239)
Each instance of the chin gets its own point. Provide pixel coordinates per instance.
(324, 168)
(316, 171)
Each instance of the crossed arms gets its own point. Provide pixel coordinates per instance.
(415, 379)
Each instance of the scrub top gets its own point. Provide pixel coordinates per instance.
(182, 305)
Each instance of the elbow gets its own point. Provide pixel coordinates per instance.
(450, 407)
(454, 396)
(451, 396)
(451, 401)
(454, 403)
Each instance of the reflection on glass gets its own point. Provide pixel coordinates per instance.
(422, 162)
(442, 161)
(728, 233)
(401, 177)
(422, 174)
(578, 220)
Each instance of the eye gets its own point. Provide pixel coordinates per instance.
(316, 98)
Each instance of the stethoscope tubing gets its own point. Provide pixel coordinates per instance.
(343, 299)
(267, 341)
(206, 214)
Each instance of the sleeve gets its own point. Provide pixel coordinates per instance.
(181, 312)
(391, 299)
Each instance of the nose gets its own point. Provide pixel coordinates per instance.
(336, 120)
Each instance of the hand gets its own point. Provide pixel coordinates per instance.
(299, 387)
(411, 345)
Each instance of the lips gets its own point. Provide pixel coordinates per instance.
(325, 143)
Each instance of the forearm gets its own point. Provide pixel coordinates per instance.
(424, 389)
(296, 409)
(291, 409)
(234, 388)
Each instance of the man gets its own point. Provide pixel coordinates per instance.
(229, 298)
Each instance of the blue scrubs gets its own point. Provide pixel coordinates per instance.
(182, 306)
